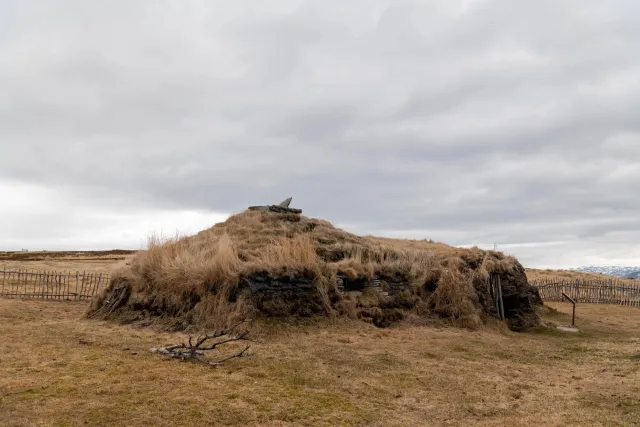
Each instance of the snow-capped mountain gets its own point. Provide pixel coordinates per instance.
(628, 272)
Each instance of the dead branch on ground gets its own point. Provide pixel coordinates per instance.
(208, 342)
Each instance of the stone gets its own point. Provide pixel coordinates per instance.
(286, 203)
(283, 207)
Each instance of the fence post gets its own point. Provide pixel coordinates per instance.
(500, 296)
(77, 281)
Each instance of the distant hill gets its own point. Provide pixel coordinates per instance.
(625, 272)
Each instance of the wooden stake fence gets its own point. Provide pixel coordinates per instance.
(55, 285)
(609, 291)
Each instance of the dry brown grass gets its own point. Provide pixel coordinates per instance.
(191, 279)
(59, 370)
(538, 274)
(91, 261)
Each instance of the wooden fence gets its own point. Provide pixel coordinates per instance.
(622, 292)
(56, 285)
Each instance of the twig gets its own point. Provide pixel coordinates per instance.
(196, 351)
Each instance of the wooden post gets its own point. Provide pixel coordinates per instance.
(59, 285)
(97, 289)
(45, 284)
(85, 283)
(92, 285)
(501, 301)
(95, 284)
(77, 282)
(54, 285)
(82, 284)
(48, 293)
(36, 281)
(496, 292)
(4, 274)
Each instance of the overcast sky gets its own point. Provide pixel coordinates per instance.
(469, 122)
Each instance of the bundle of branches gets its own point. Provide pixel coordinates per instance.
(195, 349)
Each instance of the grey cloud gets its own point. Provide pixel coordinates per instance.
(507, 122)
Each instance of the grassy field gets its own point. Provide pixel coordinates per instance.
(537, 274)
(60, 370)
(93, 261)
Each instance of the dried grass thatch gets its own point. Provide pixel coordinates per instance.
(198, 280)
